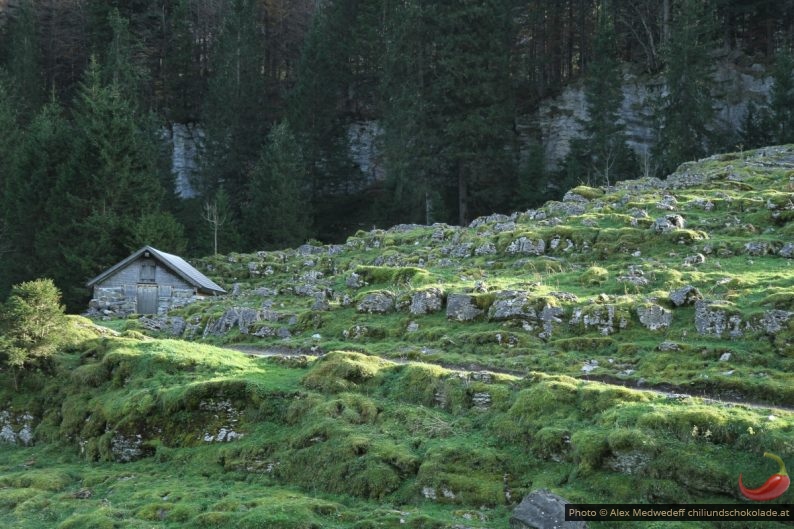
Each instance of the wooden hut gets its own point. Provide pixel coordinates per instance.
(149, 282)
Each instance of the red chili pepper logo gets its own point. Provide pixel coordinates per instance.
(774, 487)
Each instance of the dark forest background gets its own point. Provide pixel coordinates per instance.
(87, 88)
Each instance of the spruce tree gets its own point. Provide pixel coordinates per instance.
(448, 98)
(43, 148)
(278, 214)
(23, 60)
(109, 181)
(603, 149)
(782, 98)
(234, 116)
(686, 110)
(316, 106)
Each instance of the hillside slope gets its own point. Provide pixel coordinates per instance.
(431, 376)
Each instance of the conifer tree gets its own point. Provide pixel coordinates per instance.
(31, 176)
(686, 110)
(278, 214)
(603, 150)
(109, 180)
(782, 101)
(316, 105)
(448, 101)
(23, 60)
(234, 118)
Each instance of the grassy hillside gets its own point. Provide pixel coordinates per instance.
(437, 374)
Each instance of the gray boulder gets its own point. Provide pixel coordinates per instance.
(756, 248)
(714, 321)
(773, 320)
(461, 307)
(354, 281)
(654, 317)
(486, 249)
(668, 223)
(686, 295)
(426, 301)
(525, 246)
(787, 251)
(376, 303)
(542, 510)
(241, 317)
(695, 260)
(512, 305)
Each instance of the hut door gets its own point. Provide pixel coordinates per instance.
(147, 299)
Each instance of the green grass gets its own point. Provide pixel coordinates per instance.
(387, 412)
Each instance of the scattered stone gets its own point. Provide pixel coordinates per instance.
(354, 281)
(376, 303)
(628, 462)
(565, 296)
(635, 276)
(426, 301)
(481, 400)
(703, 203)
(694, 260)
(321, 302)
(412, 327)
(686, 295)
(773, 321)
(757, 248)
(548, 317)
(486, 249)
(311, 277)
(462, 250)
(589, 366)
(668, 202)
(242, 317)
(126, 448)
(714, 321)
(525, 246)
(668, 223)
(654, 317)
(462, 307)
(724, 357)
(542, 510)
(512, 305)
(669, 346)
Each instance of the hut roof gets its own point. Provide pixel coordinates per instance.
(175, 263)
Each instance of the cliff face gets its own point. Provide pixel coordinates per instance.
(556, 122)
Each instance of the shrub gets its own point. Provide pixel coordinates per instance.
(32, 321)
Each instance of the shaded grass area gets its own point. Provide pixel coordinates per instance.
(352, 440)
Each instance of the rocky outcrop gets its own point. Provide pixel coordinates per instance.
(512, 305)
(525, 246)
(686, 295)
(542, 510)
(462, 307)
(240, 317)
(376, 303)
(654, 317)
(16, 428)
(426, 301)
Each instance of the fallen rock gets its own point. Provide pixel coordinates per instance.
(542, 510)
(668, 223)
(526, 246)
(376, 303)
(654, 317)
(686, 295)
(512, 305)
(462, 307)
(426, 301)
(242, 317)
(757, 248)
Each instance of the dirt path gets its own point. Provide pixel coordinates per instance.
(670, 391)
